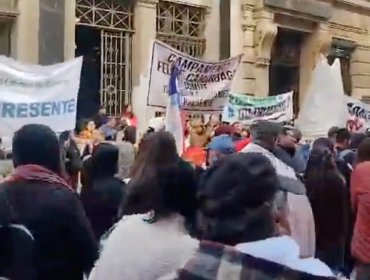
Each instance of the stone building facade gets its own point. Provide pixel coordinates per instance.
(281, 40)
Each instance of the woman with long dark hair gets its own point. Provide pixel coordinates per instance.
(102, 192)
(161, 201)
(326, 190)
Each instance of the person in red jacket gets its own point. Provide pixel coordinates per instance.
(129, 114)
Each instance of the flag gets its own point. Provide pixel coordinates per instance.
(173, 122)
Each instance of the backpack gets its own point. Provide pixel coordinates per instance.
(17, 246)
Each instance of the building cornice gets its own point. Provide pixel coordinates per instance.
(357, 4)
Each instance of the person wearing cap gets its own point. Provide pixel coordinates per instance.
(219, 147)
(264, 137)
(242, 214)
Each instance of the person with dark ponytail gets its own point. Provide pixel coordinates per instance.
(328, 195)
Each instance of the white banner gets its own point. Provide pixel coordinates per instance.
(203, 86)
(247, 109)
(38, 94)
(358, 115)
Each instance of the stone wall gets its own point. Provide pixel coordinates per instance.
(255, 32)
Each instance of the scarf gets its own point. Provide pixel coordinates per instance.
(31, 172)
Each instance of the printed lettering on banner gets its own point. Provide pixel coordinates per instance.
(38, 94)
(358, 115)
(247, 109)
(203, 86)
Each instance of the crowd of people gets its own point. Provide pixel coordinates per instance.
(241, 203)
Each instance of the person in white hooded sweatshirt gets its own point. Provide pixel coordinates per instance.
(149, 246)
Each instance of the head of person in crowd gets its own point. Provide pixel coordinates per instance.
(127, 111)
(265, 134)
(238, 127)
(111, 122)
(342, 140)
(88, 130)
(65, 139)
(102, 111)
(356, 140)
(323, 144)
(124, 122)
(90, 126)
(129, 135)
(332, 133)
(321, 160)
(237, 200)
(37, 144)
(219, 147)
(109, 130)
(104, 161)
(297, 134)
(287, 140)
(224, 129)
(245, 133)
(97, 137)
(363, 152)
(160, 181)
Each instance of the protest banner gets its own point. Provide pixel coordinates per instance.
(358, 115)
(38, 94)
(203, 86)
(247, 109)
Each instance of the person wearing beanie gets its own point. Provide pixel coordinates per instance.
(219, 147)
(243, 227)
(42, 201)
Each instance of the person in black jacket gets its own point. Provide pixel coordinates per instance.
(102, 192)
(43, 201)
(71, 157)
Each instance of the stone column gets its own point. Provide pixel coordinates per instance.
(24, 39)
(212, 51)
(70, 29)
(315, 44)
(145, 33)
(236, 42)
(247, 82)
(264, 36)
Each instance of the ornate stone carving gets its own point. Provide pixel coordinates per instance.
(264, 38)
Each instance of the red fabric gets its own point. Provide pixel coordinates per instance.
(195, 155)
(32, 172)
(240, 145)
(360, 198)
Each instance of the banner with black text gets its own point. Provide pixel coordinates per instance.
(203, 86)
(247, 109)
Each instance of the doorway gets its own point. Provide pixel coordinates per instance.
(103, 37)
(285, 64)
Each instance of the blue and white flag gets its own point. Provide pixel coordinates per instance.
(173, 122)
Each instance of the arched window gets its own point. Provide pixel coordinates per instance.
(182, 27)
